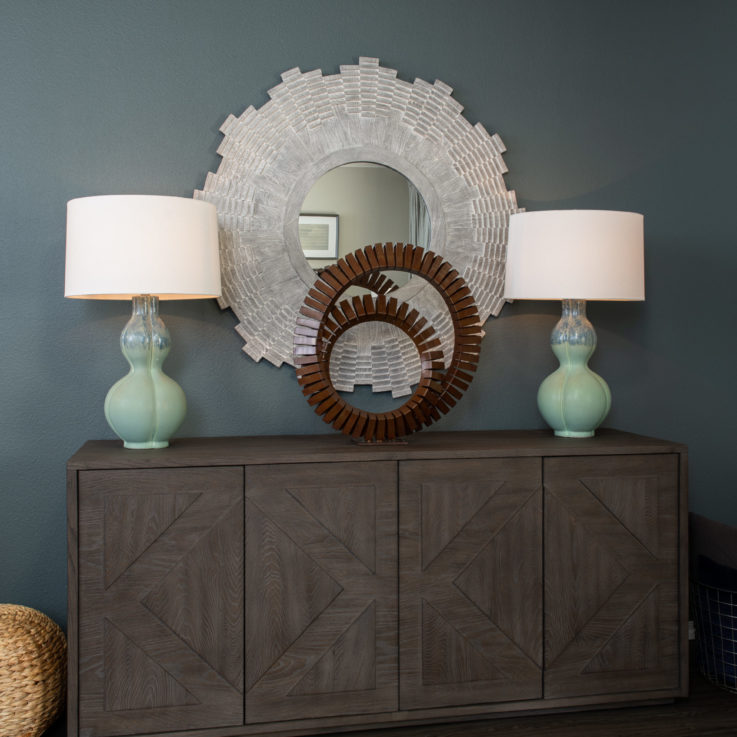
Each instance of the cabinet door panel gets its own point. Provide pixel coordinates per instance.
(611, 591)
(321, 590)
(470, 581)
(160, 599)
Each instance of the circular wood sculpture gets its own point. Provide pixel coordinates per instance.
(324, 318)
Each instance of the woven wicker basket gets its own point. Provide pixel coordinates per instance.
(32, 671)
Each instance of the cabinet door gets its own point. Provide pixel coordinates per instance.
(470, 581)
(611, 574)
(321, 590)
(160, 599)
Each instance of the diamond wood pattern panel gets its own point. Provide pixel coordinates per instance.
(321, 624)
(611, 587)
(156, 581)
(470, 581)
(161, 599)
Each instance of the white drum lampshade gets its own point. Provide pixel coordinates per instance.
(120, 246)
(575, 254)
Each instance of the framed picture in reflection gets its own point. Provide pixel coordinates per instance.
(318, 235)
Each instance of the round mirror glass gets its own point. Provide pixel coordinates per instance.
(357, 205)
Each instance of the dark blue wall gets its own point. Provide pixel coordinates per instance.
(619, 105)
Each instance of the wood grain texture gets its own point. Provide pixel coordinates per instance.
(72, 603)
(325, 549)
(161, 597)
(706, 711)
(321, 624)
(470, 582)
(275, 449)
(683, 557)
(133, 679)
(611, 566)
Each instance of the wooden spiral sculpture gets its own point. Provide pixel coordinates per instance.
(324, 317)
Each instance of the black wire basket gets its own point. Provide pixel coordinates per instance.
(715, 617)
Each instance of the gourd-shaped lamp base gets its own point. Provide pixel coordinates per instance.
(146, 407)
(573, 400)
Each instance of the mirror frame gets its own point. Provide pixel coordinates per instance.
(313, 123)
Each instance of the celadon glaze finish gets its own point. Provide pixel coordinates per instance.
(574, 400)
(146, 407)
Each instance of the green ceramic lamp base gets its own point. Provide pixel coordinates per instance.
(573, 400)
(146, 407)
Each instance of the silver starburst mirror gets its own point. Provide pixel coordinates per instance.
(312, 124)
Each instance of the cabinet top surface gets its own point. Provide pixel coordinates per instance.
(224, 451)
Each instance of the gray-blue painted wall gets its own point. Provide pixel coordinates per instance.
(623, 104)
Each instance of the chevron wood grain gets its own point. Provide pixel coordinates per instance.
(160, 553)
(300, 585)
(471, 582)
(611, 574)
(321, 621)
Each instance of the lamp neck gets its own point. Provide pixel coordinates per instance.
(145, 338)
(145, 304)
(573, 308)
(573, 327)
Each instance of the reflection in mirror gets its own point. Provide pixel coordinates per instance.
(373, 204)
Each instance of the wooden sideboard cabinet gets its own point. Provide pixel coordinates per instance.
(302, 585)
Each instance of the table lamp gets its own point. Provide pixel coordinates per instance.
(574, 256)
(143, 248)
